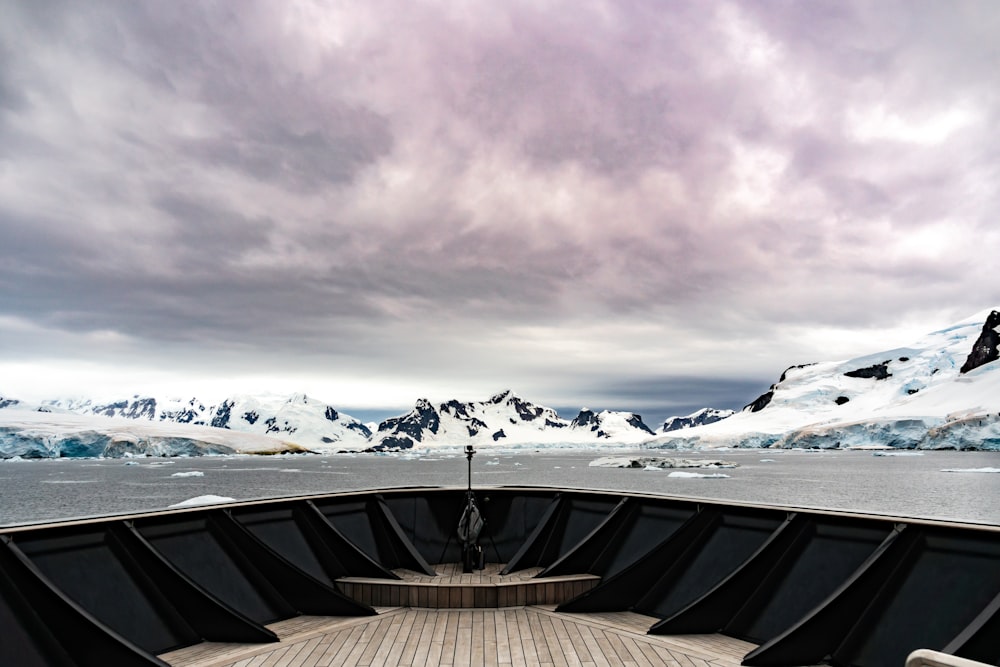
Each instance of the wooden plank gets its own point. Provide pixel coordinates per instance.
(389, 641)
(511, 636)
(409, 649)
(463, 639)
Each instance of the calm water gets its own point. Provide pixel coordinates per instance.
(910, 486)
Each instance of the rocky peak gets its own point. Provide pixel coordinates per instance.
(987, 347)
(586, 419)
(456, 408)
(8, 402)
(504, 395)
(635, 421)
(697, 418)
(413, 424)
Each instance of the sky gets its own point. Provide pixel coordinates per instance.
(651, 206)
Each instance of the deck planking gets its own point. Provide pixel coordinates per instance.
(529, 636)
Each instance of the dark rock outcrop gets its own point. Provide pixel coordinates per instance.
(875, 371)
(422, 417)
(635, 421)
(140, 408)
(586, 419)
(222, 415)
(331, 414)
(986, 349)
(360, 428)
(455, 408)
(761, 401)
(700, 418)
(392, 443)
(8, 402)
(764, 399)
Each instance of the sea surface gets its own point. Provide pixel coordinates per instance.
(902, 485)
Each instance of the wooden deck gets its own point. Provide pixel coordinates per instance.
(513, 636)
(518, 632)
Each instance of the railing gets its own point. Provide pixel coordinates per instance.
(928, 658)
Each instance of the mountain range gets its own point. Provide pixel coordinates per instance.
(143, 424)
(942, 391)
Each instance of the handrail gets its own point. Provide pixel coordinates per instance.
(927, 658)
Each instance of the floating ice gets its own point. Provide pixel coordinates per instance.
(971, 470)
(657, 462)
(204, 500)
(881, 453)
(714, 475)
(193, 473)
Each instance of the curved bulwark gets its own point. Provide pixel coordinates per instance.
(791, 587)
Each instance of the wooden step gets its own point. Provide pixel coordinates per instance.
(452, 589)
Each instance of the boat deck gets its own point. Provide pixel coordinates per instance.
(535, 635)
(520, 629)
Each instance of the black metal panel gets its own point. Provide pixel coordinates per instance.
(796, 570)
(306, 594)
(190, 544)
(980, 640)
(531, 549)
(352, 520)
(829, 552)
(26, 640)
(338, 555)
(726, 545)
(713, 610)
(817, 635)
(369, 524)
(430, 522)
(510, 518)
(85, 565)
(209, 616)
(630, 531)
(277, 528)
(939, 592)
(623, 590)
(575, 517)
(89, 642)
(583, 557)
(649, 526)
(391, 539)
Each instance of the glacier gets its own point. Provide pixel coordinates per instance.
(925, 396)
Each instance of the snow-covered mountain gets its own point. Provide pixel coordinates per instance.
(62, 428)
(943, 391)
(505, 419)
(697, 418)
(44, 433)
(298, 418)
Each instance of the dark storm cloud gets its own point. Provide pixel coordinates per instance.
(495, 181)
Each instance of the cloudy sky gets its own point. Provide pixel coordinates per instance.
(644, 205)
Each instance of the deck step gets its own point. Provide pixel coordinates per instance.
(453, 590)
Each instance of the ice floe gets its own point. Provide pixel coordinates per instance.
(681, 473)
(657, 462)
(203, 500)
